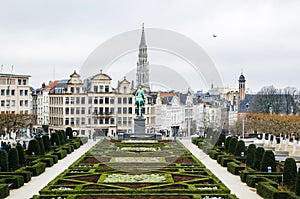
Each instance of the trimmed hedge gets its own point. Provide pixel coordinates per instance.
(232, 145)
(25, 174)
(47, 144)
(37, 168)
(42, 145)
(16, 181)
(4, 190)
(33, 147)
(268, 160)
(13, 159)
(234, 168)
(250, 155)
(69, 132)
(22, 155)
(61, 154)
(240, 147)
(290, 173)
(259, 152)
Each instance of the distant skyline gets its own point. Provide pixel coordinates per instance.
(50, 39)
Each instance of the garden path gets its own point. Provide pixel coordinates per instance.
(37, 183)
(233, 182)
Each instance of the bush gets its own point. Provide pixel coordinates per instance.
(37, 168)
(16, 181)
(234, 168)
(69, 132)
(55, 141)
(46, 142)
(13, 159)
(227, 142)
(22, 156)
(61, 154)
(232, 145)
(42, 146)
(297, 186)
(266, 190)
(250, 154)
(3, 160)
(259, 152)
(289, 173)
(33, 146)
(268, 160)
(222, 139)
(4, 190)
(240, 147)
(61, 137)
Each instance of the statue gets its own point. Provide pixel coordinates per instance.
(139, 101)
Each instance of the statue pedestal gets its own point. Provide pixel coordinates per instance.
(139, 126)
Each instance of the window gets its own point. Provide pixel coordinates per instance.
(129, 120)
(72, 121)
(95, 121)
(130, 100)
(90, 100)
(72, 110)
(95, 110)
(82, 100)
(24, 81)
(112, 110)
(100, 121)
(95, 89)
(106, 120)
(96, 100)
(119, 100)
(112, 100)
(21, 102)
(106, 100)
(106, 89)
(72, 89)
(7, 92)
(101, 110)
(130, 110)
(124, 100)
(112, 121)
(19, 82)
(82, 110)
(2, 102)
(124, 120)
(77, 90)
(82, 120)
(77, 100)
(77, 110)
(124, 89)
(13, 92)
(119, 110)
(67, 121)
(71, 100)
(77, 121)
(2, 92)
(67, 110)
(26, 102)
(124, 110)
(67, 100)
(119, 120)
(101, 88)
(106, 110)
(13, 103)
(100, 100)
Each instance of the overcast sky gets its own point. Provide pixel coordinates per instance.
(49, 39)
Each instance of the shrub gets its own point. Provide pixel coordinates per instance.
(69, 132)
(240, 147)
(22, 156)
(297, 186)
(232, 145)
(13, 159)
(61, 137)
(33, 146)
(222, 139)
(227, 141)
(4, 190)
(234, 168)
(46, 142)
(289, 173)
(3, 160)
(55, 141)
(268, 160)
(41, 143)
(37, 168)
(259, 152)
(250, 154)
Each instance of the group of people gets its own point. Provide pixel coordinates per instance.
(5, 146)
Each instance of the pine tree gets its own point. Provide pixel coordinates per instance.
(3, 161)
(289, 173)
(13, 159)
(259, 152)
(240, 147)
(268, 160)
(250, 155)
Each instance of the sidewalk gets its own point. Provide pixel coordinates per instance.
(233, 182)
(37, 183)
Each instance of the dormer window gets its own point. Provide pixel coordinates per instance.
(124, 89)
(106, 89)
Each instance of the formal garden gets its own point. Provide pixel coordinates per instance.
(136, 169)
(256, 166)
(19, 164)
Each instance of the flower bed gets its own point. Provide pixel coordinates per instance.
(116, 169)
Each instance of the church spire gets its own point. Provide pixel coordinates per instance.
(142, 75)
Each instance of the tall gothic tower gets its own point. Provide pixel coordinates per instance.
(142, 74)
(242, 88)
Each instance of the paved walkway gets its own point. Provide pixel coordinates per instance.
(37, 183)
(233, 182)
